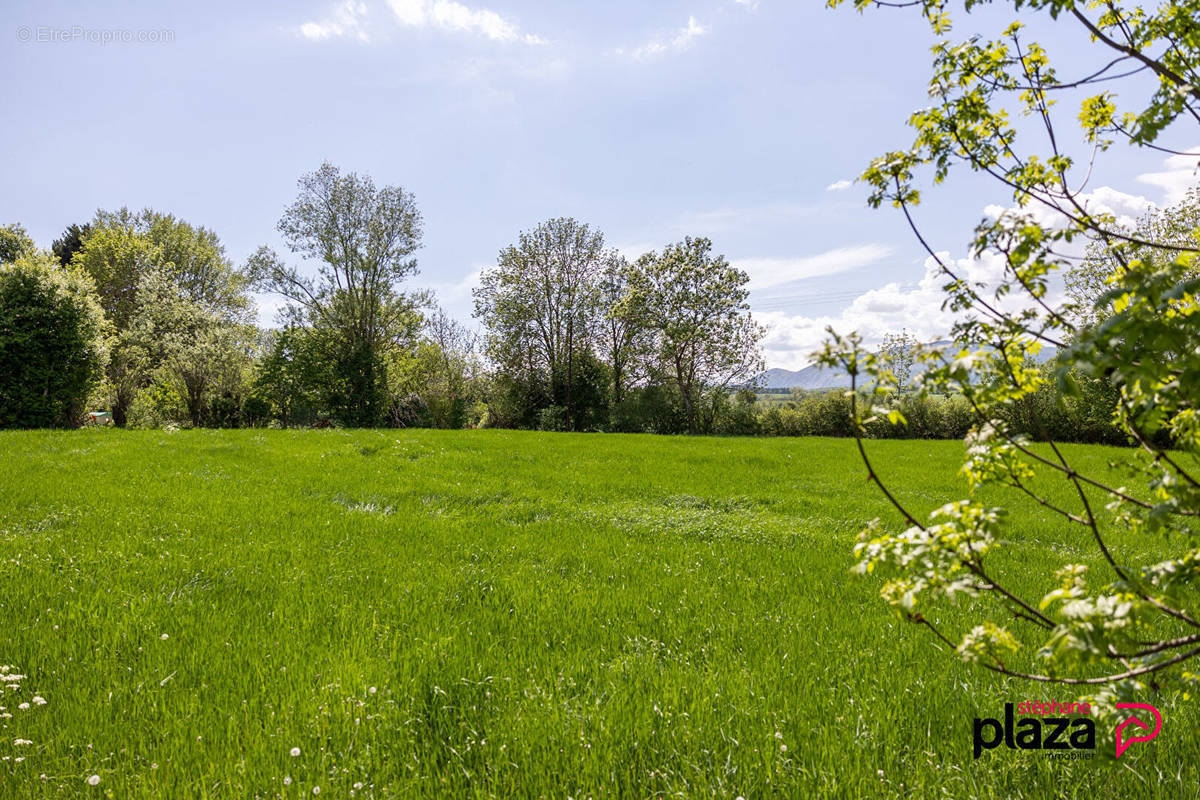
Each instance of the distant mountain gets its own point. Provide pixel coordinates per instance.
(812, 377)
(817, 377)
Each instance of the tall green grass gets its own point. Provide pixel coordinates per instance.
(496, 614)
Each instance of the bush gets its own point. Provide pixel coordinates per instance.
(256, 411)
(785, 420)
(477, 415)
(650, 409)
(955, 417)
(830, 414)
(158, 405)
(736, 417)
(225, 411)
(53, 343)
(827, 414)
(552, 418)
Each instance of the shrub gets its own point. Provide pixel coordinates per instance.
(53, 343)
(736, 417)
(256, 411)
(158, 405)
(224, 410)
(830, 414)
(650, 409)
(552, 418)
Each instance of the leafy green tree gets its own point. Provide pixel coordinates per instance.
(14, 243)
(899, 350)
(441, 370)
(290, 374)
(621, 335)
(360, 241)
(1088, 283)
(177, 341)
(70, 243)
(1134, 623)
(122, 249)
(117, 258)
(53, 343)
(694, 304)
(539, 306)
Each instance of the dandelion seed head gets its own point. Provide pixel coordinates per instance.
(295, 752)
(93, 780)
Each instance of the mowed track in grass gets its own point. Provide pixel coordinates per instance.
(489, 613)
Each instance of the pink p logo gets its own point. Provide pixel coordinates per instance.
(1123, 743)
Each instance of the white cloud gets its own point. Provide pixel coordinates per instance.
(1181, 174)
(791, 339)
(681, 40)
(452, 16)
(410, 12)
(1126, 209)
(768, 272)
(345, 20)
(839, 186)
(750, 4)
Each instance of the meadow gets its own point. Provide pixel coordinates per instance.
(266, 613)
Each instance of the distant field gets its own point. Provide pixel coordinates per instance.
(488, 613)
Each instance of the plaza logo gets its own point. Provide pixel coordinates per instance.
(1063, 729)
(1123, 740)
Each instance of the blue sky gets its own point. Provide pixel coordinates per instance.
(649, 121)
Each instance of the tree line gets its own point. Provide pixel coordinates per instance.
(144, 315)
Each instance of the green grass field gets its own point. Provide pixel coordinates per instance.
(488, 613)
